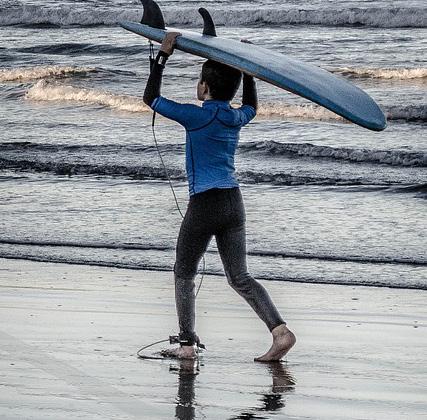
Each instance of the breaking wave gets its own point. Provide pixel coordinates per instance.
(45, 90)
(23, 74)
(388, 157)
(409, 113)
(125, 161)
(150, 172)
(397, 17)
(406, 113)
(72, 168)
(372, 17)
(386, 73)
(147, 172)
(40, 154)
(308, 111)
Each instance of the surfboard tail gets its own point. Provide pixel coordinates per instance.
(152, 16)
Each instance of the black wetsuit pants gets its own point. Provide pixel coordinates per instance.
(219, 213)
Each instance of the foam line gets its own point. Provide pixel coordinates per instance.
(48, 91)
(393, 17)
(23, 74)
(383, 73)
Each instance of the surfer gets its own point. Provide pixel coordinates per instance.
(215, 207)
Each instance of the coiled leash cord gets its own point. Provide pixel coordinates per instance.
(173, 339)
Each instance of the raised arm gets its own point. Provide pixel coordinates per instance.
(154, 83)
(250, 96)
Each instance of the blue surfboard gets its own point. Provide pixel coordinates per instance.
(313, 83)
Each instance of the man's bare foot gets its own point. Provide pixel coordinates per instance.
(184, 352)
(283, 340)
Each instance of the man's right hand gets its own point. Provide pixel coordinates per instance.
(169, 41)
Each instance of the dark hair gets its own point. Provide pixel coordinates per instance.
(223, 80)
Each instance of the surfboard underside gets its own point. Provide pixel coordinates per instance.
(306, 80)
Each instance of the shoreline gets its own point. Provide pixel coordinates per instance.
(216, 274)
(70, 334)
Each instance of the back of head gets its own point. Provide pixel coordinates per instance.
(223, 80)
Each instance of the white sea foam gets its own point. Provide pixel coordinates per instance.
(64, 16)
(383, 73)
(46, 91)
(34, 73)
(50, 91)
(372, 17)
(315, 112)
(311, 112)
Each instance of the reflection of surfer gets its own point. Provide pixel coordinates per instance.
(271, 402)
(186, 397)
(215, 206)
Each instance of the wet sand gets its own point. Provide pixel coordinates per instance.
(69, 336)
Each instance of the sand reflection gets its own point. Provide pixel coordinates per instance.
(270, 402)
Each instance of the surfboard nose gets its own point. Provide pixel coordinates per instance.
(382, 122)
(373, 117)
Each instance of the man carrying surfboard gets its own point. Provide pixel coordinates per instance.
(216, 207)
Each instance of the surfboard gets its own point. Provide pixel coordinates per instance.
(306, 80)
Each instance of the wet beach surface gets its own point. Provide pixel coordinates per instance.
(70, 334)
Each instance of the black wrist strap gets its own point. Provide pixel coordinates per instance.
(161, 58)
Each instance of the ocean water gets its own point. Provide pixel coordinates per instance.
(327, 201)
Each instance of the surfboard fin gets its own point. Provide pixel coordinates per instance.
(208, 23)
(152, 16)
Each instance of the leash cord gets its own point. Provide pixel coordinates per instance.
(173, 191)
(164, 166)
(148, 346)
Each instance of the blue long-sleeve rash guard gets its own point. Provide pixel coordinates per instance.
(212, 130)
(211, 139)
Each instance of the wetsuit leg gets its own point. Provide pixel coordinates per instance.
(231, 244)
(192, 244)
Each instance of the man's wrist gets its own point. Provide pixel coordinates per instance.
(162, 57)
